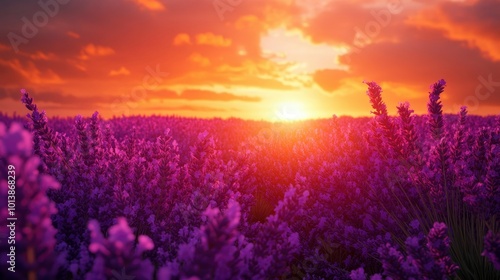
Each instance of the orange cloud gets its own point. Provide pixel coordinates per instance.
(152, 5)
(468, 22)
(94, 50)
(185, 108)
(31, 73)
(196, 94)
(199, 59)
(211, 39)
(330, 79)
(201, 94)
(249, 22)
(182, 39)
(122, 71)
(43, 56)
(73, 34)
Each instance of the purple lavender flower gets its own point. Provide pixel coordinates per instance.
(408, 130)
(26, 188)
(374, 92)
(358, 274)
(427, 258)
(121, 250)
(214, 250)
(435, 109)
(438, 244)
(459, 137)
(492, 249)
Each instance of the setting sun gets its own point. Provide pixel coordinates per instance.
(291, 111)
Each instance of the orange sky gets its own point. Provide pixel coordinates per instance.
(252, 59)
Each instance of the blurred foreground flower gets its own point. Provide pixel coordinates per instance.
(34, 234)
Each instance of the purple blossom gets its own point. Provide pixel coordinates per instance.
(435, 109)
(426, 258)
(492, 249)
(390, 132)
(25, 188)
(119, 251)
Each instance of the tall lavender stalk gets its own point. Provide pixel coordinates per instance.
(34, 256)
(459, 137)
(435, 109)
(408, 130)
(374, 92)
(492, 249)
(47, 142)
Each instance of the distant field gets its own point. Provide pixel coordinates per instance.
(388, 197)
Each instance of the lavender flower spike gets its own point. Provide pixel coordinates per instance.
(435, 109)
(492, 249)
(374, 92)
(438, 243)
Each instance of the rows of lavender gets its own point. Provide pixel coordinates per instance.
(404, 197)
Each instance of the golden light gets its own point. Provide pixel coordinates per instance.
(291, 111)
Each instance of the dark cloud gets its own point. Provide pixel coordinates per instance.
(476, 23)
(196, 94)
(54, 97)
(167, 109)
(8, 93)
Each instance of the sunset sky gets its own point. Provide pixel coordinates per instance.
(251, 59)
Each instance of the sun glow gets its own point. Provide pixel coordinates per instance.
(291, 111)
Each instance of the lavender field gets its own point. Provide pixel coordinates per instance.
(386, 197)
